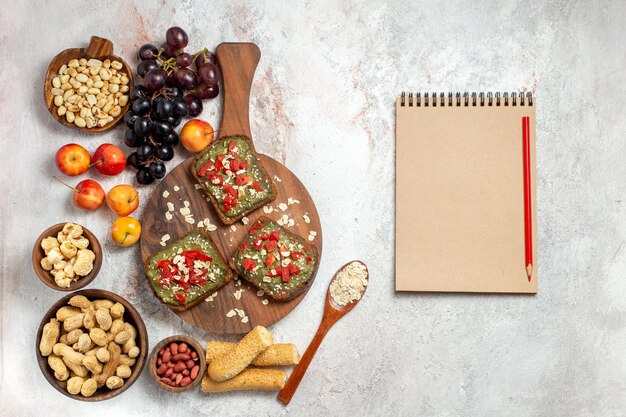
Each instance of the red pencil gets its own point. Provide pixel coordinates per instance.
(528, 221)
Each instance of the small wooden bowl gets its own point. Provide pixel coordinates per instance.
(47, 278)
(152, 367)
(98, 48)
(130, 315)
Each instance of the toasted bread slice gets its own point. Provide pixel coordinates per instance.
(275, 260)
(168, 286)
(232, 175)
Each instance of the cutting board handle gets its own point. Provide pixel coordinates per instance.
(238, 63)
(99, 47)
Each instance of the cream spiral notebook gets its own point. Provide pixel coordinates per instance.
(460, 214)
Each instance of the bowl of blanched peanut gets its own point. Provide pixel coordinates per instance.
(91, 345)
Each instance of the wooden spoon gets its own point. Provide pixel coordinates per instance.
(98, 48)
(332, 313)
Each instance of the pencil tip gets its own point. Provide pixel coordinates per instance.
(529, 271)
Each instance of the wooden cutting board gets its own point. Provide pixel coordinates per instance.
(238, 62)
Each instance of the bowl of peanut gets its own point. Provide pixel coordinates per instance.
(67, 256)
(88, 88)
(92, 345)
(177, 363)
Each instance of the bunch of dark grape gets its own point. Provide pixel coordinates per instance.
(151, 121)
(171, 91)
(171, 65)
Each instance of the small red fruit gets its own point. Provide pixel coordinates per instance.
(72, 159)
(196, 135)
(87, 195)
(109, 159)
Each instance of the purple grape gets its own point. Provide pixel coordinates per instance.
(205, 56)
(186, 78)
(168, 51)
(195, 105)
(184, 60)
(205, 91)
(148, 51)
(144, 177)
(176, 37)
(171, 82)
(145, 66)
(209, 74)
(155, 79)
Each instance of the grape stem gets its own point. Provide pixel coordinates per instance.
(203, 52)
(170, 63)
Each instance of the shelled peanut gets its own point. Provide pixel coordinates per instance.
(89, 345)
(90, 93)
(177, 364)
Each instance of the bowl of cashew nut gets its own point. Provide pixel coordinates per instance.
(67, 256)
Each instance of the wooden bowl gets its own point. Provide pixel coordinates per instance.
(152, 367)
(130, 315)
(98, 48)
(47, 278)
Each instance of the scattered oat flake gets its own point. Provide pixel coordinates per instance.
(200, 224)
(237, 294)
(264, 302)
(166, 194)
(282, 206)
(168, 216)
(245, 319)
(162, 243)
(245, 220)
(165, 237)
(276, 178)
(306, 218)
(291, 201)
(170, 206)
(189, 219)
(231, 313)
(233, 227)
(259, 293)
(240, 312)
(313, 232)
(176, 188)
(290, 223)
(211, 227)
(268, 209)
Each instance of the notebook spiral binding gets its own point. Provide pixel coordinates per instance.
(465, 99)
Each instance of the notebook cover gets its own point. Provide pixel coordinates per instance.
(460, 199)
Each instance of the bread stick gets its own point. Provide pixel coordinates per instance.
(241, 355)
(249, 379)
(280, 354)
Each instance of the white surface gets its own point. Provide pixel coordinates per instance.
(324, 104)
